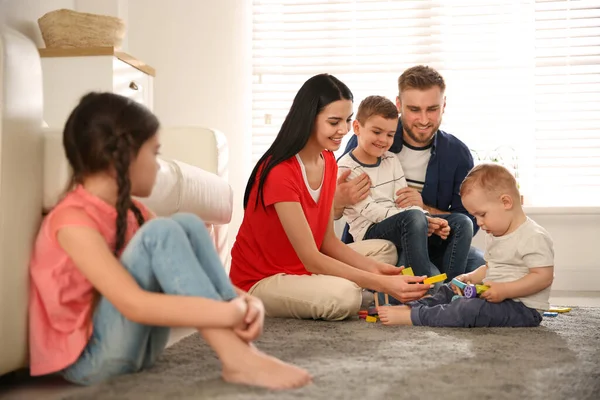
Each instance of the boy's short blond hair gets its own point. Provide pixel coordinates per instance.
(376, 105)
(494, 179)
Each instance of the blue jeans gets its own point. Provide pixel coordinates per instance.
(440, 311)
(451, 255)
(426, 255)
(171, 255)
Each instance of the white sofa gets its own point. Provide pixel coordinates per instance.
(33, 172)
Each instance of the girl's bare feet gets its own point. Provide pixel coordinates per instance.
(395, 315)
(258, 369)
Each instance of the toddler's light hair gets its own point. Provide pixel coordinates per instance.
(494, 179)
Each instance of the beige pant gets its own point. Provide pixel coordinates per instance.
(319, 296)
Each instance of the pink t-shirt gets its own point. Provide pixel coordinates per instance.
(60, 304)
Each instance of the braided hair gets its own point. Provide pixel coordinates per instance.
(107, 130)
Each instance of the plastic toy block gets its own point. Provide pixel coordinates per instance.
(470, 291)
(550, 314)
(363, 316)
(371, 319)
(459, 284)
(435, 279)
(481, 288)
(372, 311)
(559, 309)
(408, 271)
(363, 312)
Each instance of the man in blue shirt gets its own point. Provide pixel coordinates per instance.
(434, 162)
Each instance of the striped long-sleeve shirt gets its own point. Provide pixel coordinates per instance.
(387, 177)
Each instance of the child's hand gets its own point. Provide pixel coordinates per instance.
(238, 308)
(463, 278)
(252, 326)
(496, 292)
(438, 226)
(443, 232)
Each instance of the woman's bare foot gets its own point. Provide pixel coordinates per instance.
(255, 368)
(396, 315)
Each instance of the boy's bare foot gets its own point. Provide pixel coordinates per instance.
(396, 315)
(258, 369)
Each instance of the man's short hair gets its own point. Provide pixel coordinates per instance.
(420, 77)
(493, 178)
(376, 105)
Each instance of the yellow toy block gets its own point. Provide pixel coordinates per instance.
(435, 279)
(371, 318)
(408, 271)
(481, 288)
(559, 309)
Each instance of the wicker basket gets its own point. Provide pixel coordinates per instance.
(68, 28)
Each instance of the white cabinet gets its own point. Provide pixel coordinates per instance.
(68, 74)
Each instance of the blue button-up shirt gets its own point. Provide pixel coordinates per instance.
(449, 163)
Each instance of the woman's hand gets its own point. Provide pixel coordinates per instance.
(387, 269)
(404, 287)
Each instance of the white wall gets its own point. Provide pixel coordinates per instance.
(22, 15)
(201, 50)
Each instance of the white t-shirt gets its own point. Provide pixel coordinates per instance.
(387, 177)
(414, 162)
(509, 258)
(315, 194)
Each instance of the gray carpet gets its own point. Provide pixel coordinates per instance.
(359, 360)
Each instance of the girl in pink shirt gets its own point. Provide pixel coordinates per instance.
(108, 279)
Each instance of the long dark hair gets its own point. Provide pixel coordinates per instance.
(107, 130)
(316, 93)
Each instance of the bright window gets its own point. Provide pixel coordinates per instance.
(522, 76)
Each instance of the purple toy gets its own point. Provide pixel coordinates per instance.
(470, 291)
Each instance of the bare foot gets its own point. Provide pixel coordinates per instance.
(258, 369)
(396, 315)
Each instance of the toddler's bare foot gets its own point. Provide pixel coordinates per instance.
(258, 369)
(396, 315)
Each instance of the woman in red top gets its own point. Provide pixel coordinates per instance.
(286, 252)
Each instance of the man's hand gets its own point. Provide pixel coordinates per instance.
(348, 193)
(252, 326)
(408, 197)
(496, 292)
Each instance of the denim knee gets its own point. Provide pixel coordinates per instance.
(157, 227)
(188, 219)
(415, 218)
(461, 223)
